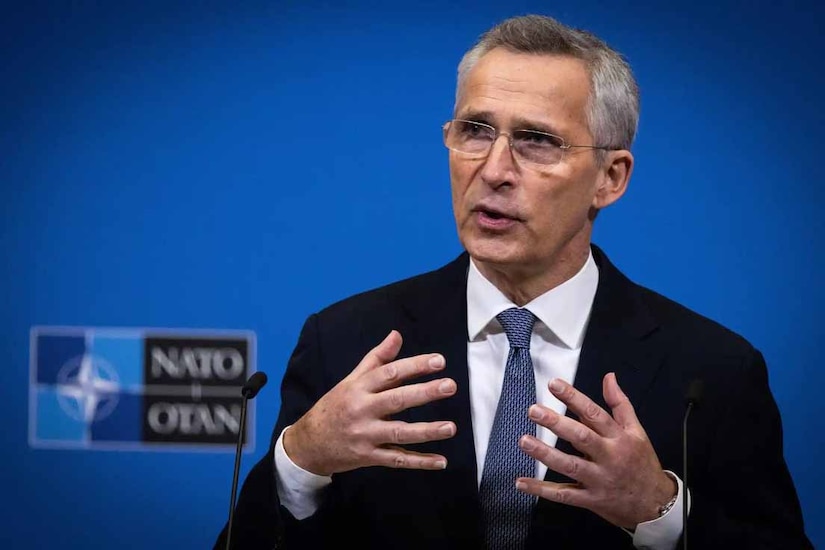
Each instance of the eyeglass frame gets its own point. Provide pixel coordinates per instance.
(445, 128)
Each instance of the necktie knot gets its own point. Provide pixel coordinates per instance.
(518, 325)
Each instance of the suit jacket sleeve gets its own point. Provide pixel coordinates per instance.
(745, 497)
(260, 522)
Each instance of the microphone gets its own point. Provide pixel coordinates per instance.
(249, 390)
(692, 399)
(254, 385)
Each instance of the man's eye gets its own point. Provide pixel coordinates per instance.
(537, 139)
(473, 130)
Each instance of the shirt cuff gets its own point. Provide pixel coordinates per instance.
(663, 533)
(298, 490)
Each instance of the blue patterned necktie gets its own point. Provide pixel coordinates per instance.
(506, 510)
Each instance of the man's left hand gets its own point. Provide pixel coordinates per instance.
(619, 477)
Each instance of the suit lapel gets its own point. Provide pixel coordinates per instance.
(436, 310)
(615, 341)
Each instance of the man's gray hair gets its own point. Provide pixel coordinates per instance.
(613, 106)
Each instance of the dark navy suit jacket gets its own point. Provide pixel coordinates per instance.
(743, 495)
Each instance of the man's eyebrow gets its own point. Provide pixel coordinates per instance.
(476, 116)
(525, 124)
(519, 123)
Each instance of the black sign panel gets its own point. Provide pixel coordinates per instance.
(185, 361)
(182, 419)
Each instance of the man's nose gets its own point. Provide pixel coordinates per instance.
(499, 167)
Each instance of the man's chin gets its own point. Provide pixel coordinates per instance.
(494, 252)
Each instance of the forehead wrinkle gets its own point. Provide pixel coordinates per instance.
(497, 85)
(488, 93)
(500, 88)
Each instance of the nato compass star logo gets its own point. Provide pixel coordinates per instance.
(87, 388)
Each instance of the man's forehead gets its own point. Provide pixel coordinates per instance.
(528, 72)
(524, 85)
(504, 64)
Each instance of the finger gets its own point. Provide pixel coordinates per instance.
(381, 354)
(406, 433)
(396, 457)
(619, 403)
(580, 436)
(398, 399)
(585, 408)
(574, 467)
(564, 493)
(394, 373)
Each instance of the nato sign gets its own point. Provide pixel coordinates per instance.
(112, 388)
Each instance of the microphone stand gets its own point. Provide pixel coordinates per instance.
(249, 391)
(685, 477)
(692, 398)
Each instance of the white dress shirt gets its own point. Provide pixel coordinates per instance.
(562, 315)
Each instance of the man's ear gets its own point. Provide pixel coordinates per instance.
(614, 178)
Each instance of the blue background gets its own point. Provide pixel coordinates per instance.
(240, 165)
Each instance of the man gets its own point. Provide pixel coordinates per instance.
(526, 395)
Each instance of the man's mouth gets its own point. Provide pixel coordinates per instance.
(494, 214)
(491, 219)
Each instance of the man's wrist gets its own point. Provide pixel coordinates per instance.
(663, 531)
(666, 506)
(667, 492)
(664, 509)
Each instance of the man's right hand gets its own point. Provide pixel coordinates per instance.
(349, 427)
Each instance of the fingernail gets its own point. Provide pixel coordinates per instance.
(521, 486)
(556, 385)
(535, 413)
(446, 429)
(441, 464)
(528, 444)
(447, 386)
(436, 361)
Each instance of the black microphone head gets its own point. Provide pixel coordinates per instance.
(254, 385)
(694, 392)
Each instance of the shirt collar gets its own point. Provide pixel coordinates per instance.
(563, 310)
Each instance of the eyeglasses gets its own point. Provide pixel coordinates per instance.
(475, 139)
